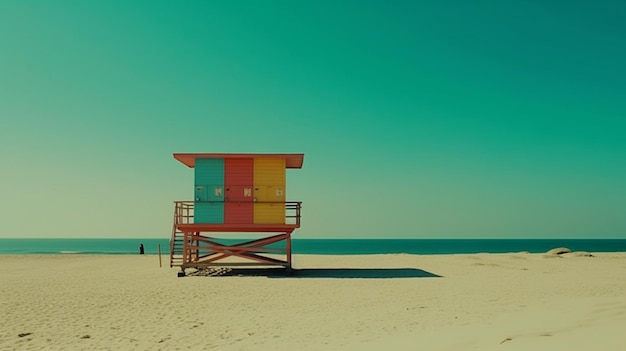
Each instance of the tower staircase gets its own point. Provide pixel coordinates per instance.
(183, 212)
(176, 248)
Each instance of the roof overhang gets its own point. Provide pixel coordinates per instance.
(291, 160)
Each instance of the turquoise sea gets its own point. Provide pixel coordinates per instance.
(322, 246)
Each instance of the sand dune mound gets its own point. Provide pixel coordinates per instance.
(578, 254)
(565, 252)
(559, 251)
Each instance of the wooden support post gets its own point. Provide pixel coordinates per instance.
(159, 249)
(185, 253)
(288, 250)
(196, 243)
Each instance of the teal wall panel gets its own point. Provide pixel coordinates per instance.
(209, 212)
(209, 171)
(209, 190)
(201, 193)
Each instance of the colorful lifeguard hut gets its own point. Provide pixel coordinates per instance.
(235, 194)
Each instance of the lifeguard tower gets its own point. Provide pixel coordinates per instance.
(235, 194)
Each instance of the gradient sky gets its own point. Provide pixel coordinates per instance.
(418, 119)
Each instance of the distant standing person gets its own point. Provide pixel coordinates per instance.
(141, 252)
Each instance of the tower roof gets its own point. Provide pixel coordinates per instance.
(189, 159)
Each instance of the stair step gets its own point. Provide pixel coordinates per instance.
(177, 243)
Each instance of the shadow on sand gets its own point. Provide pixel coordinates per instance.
(359, 273)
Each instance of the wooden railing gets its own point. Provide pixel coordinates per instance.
(292, 212)
(183, 212)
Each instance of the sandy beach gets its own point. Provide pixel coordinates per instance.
(516, 301)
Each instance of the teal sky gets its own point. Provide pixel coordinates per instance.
(418, 119)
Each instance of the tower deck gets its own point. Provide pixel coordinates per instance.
(196, 245)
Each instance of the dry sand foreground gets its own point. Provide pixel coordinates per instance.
(392, 302)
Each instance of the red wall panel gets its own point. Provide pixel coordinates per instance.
(238, 171)
(238, 212)
(239, 194)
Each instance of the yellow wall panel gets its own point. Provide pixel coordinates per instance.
(269, 171)
(264, 193)
(267, 213)
(269, 187)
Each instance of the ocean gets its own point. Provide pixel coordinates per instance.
(323, 246)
